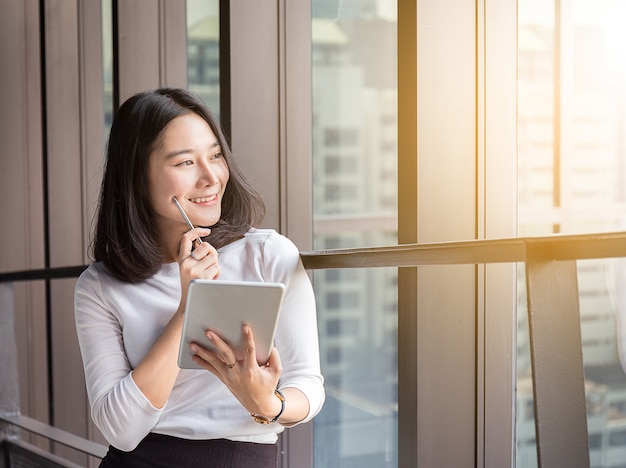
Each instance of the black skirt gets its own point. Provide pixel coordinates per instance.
(158, 450)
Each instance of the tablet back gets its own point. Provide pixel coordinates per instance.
(224, 306)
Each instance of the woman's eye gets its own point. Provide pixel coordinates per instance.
(185, 163)
(218, 156)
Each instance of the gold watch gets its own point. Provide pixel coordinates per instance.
(262, 419)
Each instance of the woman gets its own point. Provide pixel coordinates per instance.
(129, 303)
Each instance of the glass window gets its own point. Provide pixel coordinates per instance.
(354, 64)
(107, 64)
(354, 54)
(572, 160)
(203, 51)
(357, 426)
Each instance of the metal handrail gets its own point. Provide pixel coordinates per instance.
(480, 251)
(476, 251)
(55, 434)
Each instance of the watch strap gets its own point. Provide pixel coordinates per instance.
(262, 419)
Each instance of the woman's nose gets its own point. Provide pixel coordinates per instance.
(207, 176)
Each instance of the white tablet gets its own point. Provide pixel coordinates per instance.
(224, 306)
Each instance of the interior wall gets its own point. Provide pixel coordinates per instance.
(22, 236)
(53, 140)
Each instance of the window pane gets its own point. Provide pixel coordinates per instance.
(358, 342)
(354, 120)
(203, 68)
(572, 160)
(603, 313)
(107, 63)
(354, 132)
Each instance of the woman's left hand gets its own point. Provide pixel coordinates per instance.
(252, 384)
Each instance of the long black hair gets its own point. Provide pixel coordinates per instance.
(127, 240)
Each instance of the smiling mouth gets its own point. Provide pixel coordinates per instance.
(203, 199)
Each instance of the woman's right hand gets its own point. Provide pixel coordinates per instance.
(198, 262)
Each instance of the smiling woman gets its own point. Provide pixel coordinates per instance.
(129, 304)
(128, 236)
(187, 163)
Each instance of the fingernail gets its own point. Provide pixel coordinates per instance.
(193, 347)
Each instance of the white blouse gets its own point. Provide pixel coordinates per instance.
(118, 322)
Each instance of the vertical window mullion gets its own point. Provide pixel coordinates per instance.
(407, 231)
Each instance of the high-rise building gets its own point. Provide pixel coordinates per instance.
(355, 185)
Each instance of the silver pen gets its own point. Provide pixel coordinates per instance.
(185, 217)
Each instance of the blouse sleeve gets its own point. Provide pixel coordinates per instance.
(118, 408)
(296, 334)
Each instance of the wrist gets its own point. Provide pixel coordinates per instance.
(272, 419)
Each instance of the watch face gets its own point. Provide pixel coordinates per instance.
(260, 419)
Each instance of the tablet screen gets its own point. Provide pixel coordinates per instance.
(224, 306)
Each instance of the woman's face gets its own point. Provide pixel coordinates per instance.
(187, 163)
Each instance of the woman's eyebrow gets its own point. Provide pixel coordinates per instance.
(172, 154)
(175, 153)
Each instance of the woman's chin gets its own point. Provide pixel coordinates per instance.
(207, 223)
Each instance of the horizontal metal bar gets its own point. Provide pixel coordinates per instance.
(55, 434)
(512, 250)
(43, 274)
(16, 445)
(479, 251)
(406, 255)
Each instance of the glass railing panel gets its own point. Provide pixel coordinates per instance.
(357, 317)
(602, 303)
(602, 296)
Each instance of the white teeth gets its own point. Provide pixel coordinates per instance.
(202, 199)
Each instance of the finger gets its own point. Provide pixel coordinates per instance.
(274, 361)
(204, 364)
(213, 272)
(205, 251)
(188, 240)
(225, 352)
(206, 358)
(200, 251)
(249, 357)
(196, 235)
(218, 369)
(207, 265)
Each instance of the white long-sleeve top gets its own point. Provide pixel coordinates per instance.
(118, 322)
